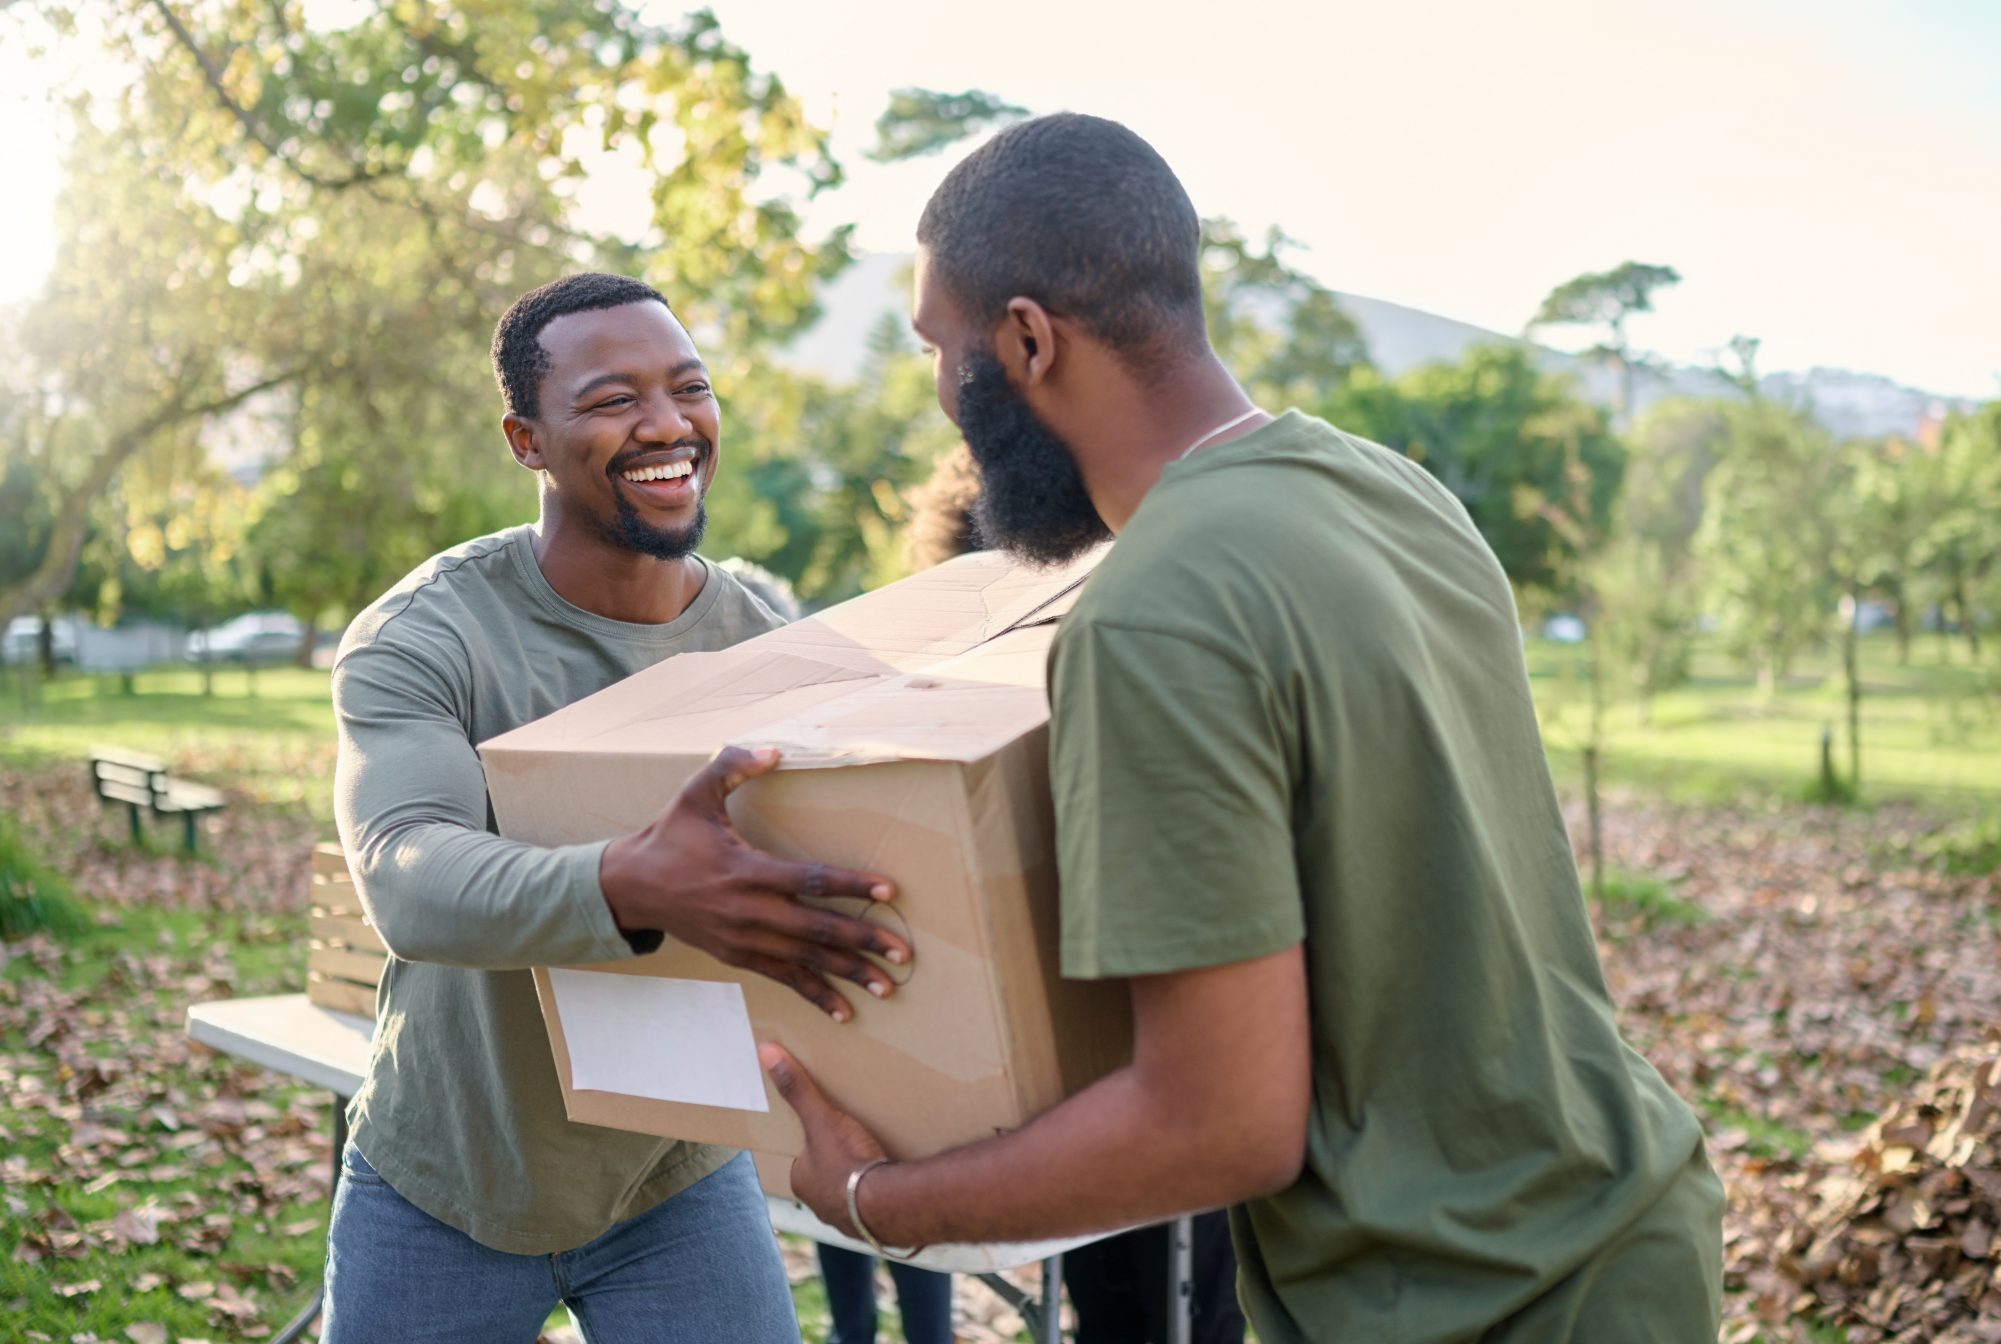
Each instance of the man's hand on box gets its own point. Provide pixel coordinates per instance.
(694, 878)
(837, 1144)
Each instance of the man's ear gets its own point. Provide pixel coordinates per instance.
(1026, 342)
(524, 442)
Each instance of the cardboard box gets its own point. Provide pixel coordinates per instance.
(913, 723)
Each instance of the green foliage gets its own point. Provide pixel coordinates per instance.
(1506, 439)
(1646, 573)
(33, 897)
(1771, 538)
(832, 520)
(287, 247)
(1961, 490)
(920, 121)
(1605, 298)
(1281, 332)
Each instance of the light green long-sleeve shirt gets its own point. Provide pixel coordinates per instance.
(461, 1111)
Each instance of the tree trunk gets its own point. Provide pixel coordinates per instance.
(1850, 656)
(45, 643)
(1969, 621)
(72, 507)
(307, 643)
(1593, 748)
(1904, 633)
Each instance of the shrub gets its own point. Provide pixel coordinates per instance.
(33, 897)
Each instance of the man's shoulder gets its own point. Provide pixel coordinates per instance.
(431, 600)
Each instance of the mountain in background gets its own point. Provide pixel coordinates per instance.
(1850, 405)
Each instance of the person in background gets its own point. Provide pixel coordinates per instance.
(923, 1298)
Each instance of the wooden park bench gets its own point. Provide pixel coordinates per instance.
(346, 958)
(142, 784)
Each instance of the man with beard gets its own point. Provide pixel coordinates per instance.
(469, 1204)
(1302, 808)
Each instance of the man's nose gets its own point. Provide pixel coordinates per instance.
(661, 420)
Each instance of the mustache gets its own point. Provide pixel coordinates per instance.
(624, 461)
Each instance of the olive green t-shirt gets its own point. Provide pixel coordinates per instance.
(1291, 705)
(461, 1111)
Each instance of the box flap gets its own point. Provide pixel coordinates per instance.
(944, 665)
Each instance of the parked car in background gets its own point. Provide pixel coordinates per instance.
(1564, 629)
(260, 637)
(23, 640)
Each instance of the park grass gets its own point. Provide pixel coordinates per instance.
(1931, 731)
(268, 734)
(1648, 899)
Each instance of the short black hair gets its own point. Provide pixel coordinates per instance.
(1083, 216)
(519, 361)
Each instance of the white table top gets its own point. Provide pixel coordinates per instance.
(291, 1035)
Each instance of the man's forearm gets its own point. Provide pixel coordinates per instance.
(1115, 1155)
(446, 894)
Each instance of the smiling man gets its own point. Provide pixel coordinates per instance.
(470, 1205)
(1302, 809)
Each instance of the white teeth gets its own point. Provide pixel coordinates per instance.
(669, 472)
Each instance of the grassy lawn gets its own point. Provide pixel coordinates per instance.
(267, 733)
(1930, 731)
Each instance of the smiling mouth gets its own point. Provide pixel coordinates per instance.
(665, 471)
(665, 478)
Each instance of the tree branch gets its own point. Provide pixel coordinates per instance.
(66, 538)
(213, 78)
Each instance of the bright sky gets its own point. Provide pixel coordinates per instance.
(1826, 174)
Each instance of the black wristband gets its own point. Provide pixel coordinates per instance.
(642, 941)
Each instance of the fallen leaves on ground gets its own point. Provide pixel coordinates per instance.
(1818, 973)
(1900, 1242)
(1812, 986)
(176, 1177)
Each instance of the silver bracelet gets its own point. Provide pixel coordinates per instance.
(855, 1212)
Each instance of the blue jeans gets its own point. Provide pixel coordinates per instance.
(923, 1298)
(702, 1266)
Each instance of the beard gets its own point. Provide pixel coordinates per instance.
(1032, 503)
(627, 529)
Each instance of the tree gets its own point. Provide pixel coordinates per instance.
(921, 121)
(1770, 533)
(1281, 332)
(1960, 552)
(1503, 437)
(137, 340)
(833, 523)
(1607, 299)
(1647, 571)
(1893, 511)
(331, 221)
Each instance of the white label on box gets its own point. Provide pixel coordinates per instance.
(648, 1036)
